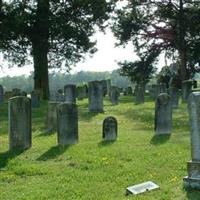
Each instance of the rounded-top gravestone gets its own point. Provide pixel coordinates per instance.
(110, 129)
(163, 114)
(19, 122)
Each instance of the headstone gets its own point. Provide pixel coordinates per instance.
(35, 99)
(67, 123)
(95, 93)
(192, 181)
(174, 96)
(129, 90)
(162, 88)
(109, 129)
(81, 92)
(186, 89)
(52, 117)
(108, 81)
(139, 94)
(16, 92)
(163, 115)
(23, 93)
(70, 93)
(105, 89)
(19, 123)
(1, 94)
(114, 95)
(60, 96)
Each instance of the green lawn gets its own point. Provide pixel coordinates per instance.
(95, 170)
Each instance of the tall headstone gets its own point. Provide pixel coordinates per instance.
(52, 117)
(108, 81)
(192, 181)
(114, 95)
(70, 93)
(95, 94)
(110, 129)
(67, 123)
(19, 123)
(35, 99)
(139, 94)
(174, 96)
(186, 89)
(163, 115)
(1, 94)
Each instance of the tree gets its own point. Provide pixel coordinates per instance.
(53, 32)
(169, 26)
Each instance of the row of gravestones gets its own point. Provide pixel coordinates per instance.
(20, 134)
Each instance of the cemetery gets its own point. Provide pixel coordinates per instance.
(100, 100)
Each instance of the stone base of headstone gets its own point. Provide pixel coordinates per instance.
(192, 181)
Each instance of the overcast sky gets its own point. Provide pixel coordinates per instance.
(105, 59)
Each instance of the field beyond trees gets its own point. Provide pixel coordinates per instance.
(96, 170)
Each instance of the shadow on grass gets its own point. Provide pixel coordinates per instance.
(159, 139)
(106, 143)
(86, 116)
(53, 152)
(5, 157)
(193, 194)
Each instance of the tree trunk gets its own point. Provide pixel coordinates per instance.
(40, 45)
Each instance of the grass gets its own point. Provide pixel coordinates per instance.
(96, 170)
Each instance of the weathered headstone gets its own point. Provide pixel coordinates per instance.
(19, 123)
(139, 94)
(192, 181)
(16, 92)
(67, 123)
(35, 99)
(52, 117)
(60, 96)
(95, 93)
(1, 94)
(186, 89)
(109, 129)
(163, 114)
(70, 93)
(114, 95)
(174, 96)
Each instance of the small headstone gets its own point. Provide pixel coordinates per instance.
(67, 123)
(139, 92)
(163, 115)
(174, 96)
(81, 92)
(141, 188)
(19, 123)
(95, 94)
(52, 117)
(192, 181)
(110, 129)
(105, 89)
(186, 89)
(114, 95)
(1, 94)
(70, 93)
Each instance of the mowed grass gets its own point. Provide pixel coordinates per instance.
(96, 170)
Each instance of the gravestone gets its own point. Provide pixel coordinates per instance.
(174, 96)
(60, 96)
(16, 92)
(70, 93)
(105, 90)
(192, 181)
(23, 93)
(95, 94)
(67, 123)
(162, 88)
(109, 129)
(19, 123)
(114, 95)
(186, 89)
(108, 81)
(163, 115)
(52, 117)
(139, 94)
(1, 94)
(35, 99)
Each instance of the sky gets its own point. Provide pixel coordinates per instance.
(105, 59)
